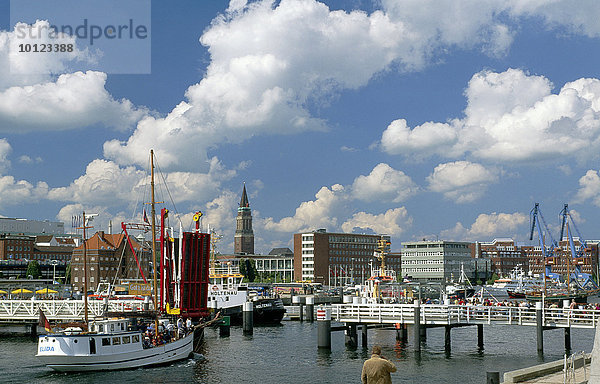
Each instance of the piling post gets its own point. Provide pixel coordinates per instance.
(364, 336)
(351, 336)
(540, 326)
(480, 336)
(324, 327)
(296, 301)
(447, 338)
(33, 329)
(493, 377)
(423, 333)
(568, 339)
(248, 318)
(417, 326)
(404, 333)
(310, 308)
(225, 327)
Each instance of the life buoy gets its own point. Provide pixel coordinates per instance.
(215, 287)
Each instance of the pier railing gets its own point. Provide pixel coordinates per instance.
(20, 311)
(463, 315)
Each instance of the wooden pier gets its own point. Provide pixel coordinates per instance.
(19, 315)
(423, 316)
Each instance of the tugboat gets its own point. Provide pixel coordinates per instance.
(227, 294)
(380, 287)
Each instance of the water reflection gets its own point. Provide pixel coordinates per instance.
(324, 357)
(400, 349)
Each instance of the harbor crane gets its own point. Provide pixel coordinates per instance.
(548, 252)
(578, 255)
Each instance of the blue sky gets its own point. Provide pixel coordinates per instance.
(419, 119)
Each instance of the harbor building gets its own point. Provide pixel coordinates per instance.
(53, 253)
(337, 259)
(276, 267)
(562, 260)
(244, 235)
(109, 256)
(31, 227)
(504, 255)
(438, 260)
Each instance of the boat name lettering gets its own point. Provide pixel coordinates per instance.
(46, 349)
(265, 305)
(223, 293)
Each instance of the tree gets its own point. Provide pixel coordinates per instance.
(494, 277)
(251, 270)
(243, 267)
(33, 269)
(248, 269)
(68, 274)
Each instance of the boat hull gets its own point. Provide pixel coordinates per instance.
(62, 361)
(267, 311)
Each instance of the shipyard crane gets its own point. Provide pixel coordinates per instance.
(535, 217)
(577, 255)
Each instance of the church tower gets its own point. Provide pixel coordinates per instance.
(244, 236)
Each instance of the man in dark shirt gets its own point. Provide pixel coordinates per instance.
(377, 369)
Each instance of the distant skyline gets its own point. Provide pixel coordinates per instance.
(414, 118)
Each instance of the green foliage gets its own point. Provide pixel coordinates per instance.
(251, 270)
(493, 278)
(33, 269)
(248, 269)
(68, 274)
(243, 267)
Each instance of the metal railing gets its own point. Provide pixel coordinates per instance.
(19, 311)
(571, 364)
(463, 314)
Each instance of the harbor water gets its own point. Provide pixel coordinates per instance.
(289, 354)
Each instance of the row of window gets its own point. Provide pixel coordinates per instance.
(19, 248)
(352, 239)
(117, 340)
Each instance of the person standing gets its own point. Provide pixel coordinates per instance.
(377, 369)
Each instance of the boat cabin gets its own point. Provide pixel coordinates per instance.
(109, 326)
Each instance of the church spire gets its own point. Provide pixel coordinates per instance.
(244, 200)
(244, 235)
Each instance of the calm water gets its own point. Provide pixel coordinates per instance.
(288, 354)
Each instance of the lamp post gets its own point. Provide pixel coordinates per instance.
(54, 262)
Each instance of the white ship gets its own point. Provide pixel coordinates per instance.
(108, 346)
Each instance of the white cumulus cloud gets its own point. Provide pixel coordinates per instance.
(589, 188)
(392, 222)
(488, 226)
(510, 116)
(383, 184)
(461, 181)
(310, 215)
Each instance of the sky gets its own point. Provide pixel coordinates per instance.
(421, 119)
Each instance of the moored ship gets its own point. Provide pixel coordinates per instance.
(227, 294)
(118, 341)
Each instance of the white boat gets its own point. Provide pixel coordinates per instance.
(108, 346)
(227, 294)
(516, 282)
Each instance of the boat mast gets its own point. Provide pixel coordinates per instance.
(153, 240)
(85, 289)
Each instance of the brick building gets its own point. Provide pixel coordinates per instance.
(337, 258)
(108, 256)
(504, 255)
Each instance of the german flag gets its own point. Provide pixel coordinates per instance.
(43, 322)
